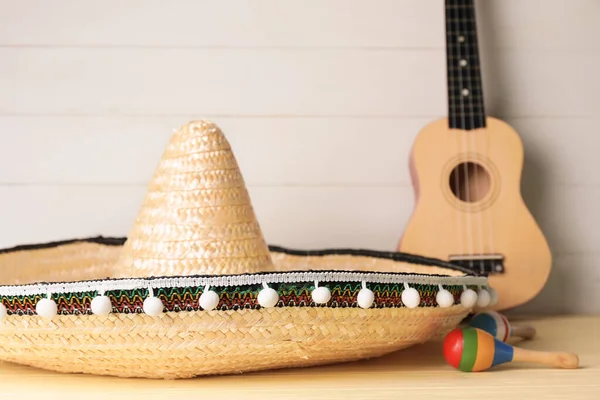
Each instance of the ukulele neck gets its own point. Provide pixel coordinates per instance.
(465, 92)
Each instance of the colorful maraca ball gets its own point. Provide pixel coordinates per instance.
(472, 350)
(498, 326)
(493, 323)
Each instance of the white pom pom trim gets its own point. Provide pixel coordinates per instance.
(410, 297)
(468, 298)
(152, 305)
(483, 298)
(267, 297)
(444, 298)
(236, 280)
(320, 295)
(493, 296)
(209, 299)
(101, 305)
(365, 297)
(46, 308)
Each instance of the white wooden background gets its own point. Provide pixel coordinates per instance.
(321, 100)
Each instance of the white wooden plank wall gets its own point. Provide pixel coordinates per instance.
(320, 99)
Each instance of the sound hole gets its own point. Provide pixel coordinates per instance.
(470, 182)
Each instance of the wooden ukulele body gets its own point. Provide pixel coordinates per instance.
(484, 214)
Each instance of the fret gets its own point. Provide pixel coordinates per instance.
(469, 32)
(466, 104)
(454, 98)
(459, 88)
(464, 86)
(466, 125)
(458, 100)
(469, 98)
(470, 120)
(459, 3)
(458, 96)
(459, 53)
(465, 92)
(461, 20)
(466, 116)
(464, 54)
(471, 58)
(473, 85)
(473, 107)
(473, 88)
(453, 68)
(469, 61)
(468, 113)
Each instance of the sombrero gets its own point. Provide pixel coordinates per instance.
(195, 290)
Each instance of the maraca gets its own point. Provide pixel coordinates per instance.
(472, 350)
(497, 325)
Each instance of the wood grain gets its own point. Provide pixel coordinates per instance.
(333, 23)
(419, 371)
(274, 82)
(301, 216)
(322, 99)
(271, 151)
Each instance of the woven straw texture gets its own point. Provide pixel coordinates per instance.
(197, 218)
(187, 344)
(183, 345)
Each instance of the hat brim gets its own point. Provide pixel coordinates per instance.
(239, 335)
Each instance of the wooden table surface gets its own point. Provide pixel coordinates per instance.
(419, 372)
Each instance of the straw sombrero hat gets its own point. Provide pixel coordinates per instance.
(195, 290)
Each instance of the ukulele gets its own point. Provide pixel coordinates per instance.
(466, 173)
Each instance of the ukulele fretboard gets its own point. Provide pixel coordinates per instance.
(465, 94)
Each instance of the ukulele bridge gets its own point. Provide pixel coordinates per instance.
(485, 264)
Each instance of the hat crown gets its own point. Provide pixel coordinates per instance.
(196, 217)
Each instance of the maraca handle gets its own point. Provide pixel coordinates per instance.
(525, 332)
(554, 359)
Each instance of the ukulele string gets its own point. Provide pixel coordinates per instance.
(452, 37)
(464, 158)
(470, 34)
(486, 213)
